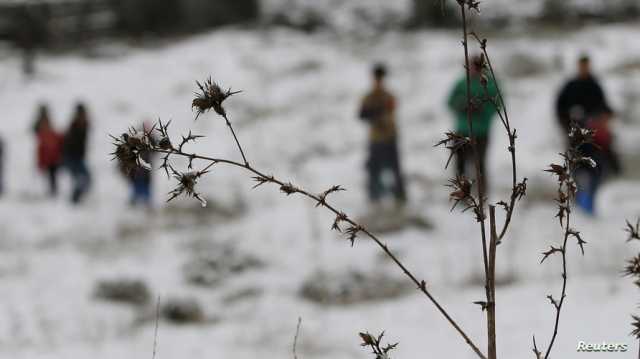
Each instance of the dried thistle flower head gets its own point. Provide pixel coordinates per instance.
(375, 344)
(187, 185)
(633, 231)
(633, 267)
(165, 141)
(461, 192)
(129, 150)
(211, 96)
(579, 136)
(636, 326)
(454, 143)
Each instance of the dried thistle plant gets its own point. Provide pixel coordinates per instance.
(212, 97)
(565, 198)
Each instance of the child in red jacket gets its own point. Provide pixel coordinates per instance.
(49, 155)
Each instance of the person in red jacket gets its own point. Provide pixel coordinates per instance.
(49, 155)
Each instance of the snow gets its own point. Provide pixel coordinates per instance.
(296, 119)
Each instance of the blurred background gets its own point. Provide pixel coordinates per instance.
(91, 256)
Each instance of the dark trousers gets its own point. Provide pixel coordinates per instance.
(466, 158)
(589, 179)
(52, 177)
(141, 189)
(383, 157)
(81, 178)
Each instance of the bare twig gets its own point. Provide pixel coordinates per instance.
(558, 304)
(491, 280)
(518, 189)
(155, 334)
(295, 338)
(352, 230)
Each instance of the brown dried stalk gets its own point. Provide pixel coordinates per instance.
(518, 189)
(517, 192)
(567, 189)
(479, 208)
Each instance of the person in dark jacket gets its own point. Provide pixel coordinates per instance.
(378, 111)
(49, 152)
(583, 101)
(74, 150)
(581, 97)
(482, 116)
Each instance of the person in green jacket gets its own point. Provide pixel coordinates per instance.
(482, 115)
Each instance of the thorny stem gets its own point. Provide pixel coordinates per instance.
(504, 117)
(421, 285)
(479, 174)
(233, 133)
(558, 305)
(491, 282)
(567, 190)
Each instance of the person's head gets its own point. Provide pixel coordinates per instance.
(379, 72)
(584, 66)
(147, 126)
(43, 111)
(80, 115)
(42, 118)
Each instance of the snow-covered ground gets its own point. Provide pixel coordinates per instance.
(296, 120)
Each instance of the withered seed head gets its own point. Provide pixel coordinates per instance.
(454, 143)
(633, 267)
(187, 184)
(633, 231)
(211, 96)
(129, 148)
(461, 192)
(636, 326)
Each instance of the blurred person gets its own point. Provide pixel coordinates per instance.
(582, 100)
(378, 110)
(140, 177)
(74, 152)
(49, 152)
(482, 115)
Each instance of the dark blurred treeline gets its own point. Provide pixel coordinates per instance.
(67, 23)
(559, 13)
